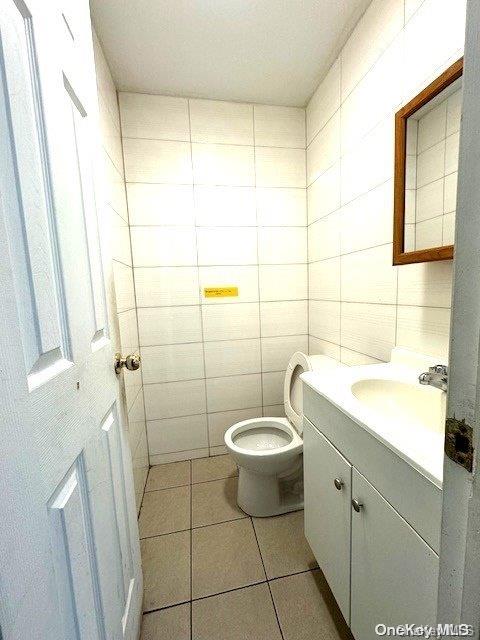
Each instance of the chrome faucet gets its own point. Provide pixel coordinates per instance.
(436, 376)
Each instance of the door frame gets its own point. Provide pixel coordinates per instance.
(459, 578)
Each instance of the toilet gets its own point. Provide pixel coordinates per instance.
(268, 451)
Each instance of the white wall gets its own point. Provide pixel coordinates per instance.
(216, 195)
(361, 306)
(117, 213)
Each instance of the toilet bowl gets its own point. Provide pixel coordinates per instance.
(268, 451)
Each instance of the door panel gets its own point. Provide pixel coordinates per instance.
(32, 222)
(394, 571)
(74, 557)
(67, 488)
(82, 162)
(328, 512)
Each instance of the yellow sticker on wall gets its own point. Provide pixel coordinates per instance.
(220, 292)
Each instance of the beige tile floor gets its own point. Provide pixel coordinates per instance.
(213, 573)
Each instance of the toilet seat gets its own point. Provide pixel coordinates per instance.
(293, 386)
(292, 389)
(259, 432)
(263, 429)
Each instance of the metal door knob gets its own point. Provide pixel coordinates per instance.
(338, 482)
(131, 362)
(357, 505)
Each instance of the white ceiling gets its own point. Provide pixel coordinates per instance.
(267, 51)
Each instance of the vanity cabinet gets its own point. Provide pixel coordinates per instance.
(378, 568)
(394, 572)
(327, 496)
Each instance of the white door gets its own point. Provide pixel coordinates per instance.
(69, 556)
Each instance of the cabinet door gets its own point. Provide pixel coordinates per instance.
(394, 571)
(328, 512)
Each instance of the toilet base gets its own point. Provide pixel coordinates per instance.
(264, 495)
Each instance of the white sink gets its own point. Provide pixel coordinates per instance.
(404, 403)
(388, 401)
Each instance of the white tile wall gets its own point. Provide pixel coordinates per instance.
(223, 164)
(170, 363)
(244, 276)
(281, 206)
(169, 325)
(217, 194)
(227, 245)
(279, 126)
(324, 103)
(234, 392)
(170, 399)
(276, 352)
(230, 321)
(219, 422)
(160, 204)
(217, 197)
(163, 246)
(283, 318)
(361, 306)
(166, 286)
(276, 167)
(324, 149)
(283, 282)
(177, 434)
(221, 122)
(154, 117)
(232, 357)
(277, 245)
(157, 161)
(272, 383)
(225, 206)
(115, 211)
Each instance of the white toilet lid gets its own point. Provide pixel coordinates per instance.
(293, 387)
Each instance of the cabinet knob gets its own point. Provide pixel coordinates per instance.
(357, 505)
(338, 482)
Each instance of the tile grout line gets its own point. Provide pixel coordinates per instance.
(200, 526)
(262, 394)
(178, 486)
(221, 593)
(266, 576)
(340, 163)
(191, 540)
(202, 330)
(221, 144)
(306, 235)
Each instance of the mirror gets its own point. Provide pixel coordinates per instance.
(427, 132)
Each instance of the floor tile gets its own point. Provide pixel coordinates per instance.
(283, 545)
(166, 570)
(213, 468)
(215, 501)
(246, 614)
(225, 556)
(306, 608)
(169, 624)
(165, 511)
(164, 476)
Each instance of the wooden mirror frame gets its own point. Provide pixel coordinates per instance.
(423, 255)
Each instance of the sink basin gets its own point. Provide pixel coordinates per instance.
(388, 401)
(402, 402)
